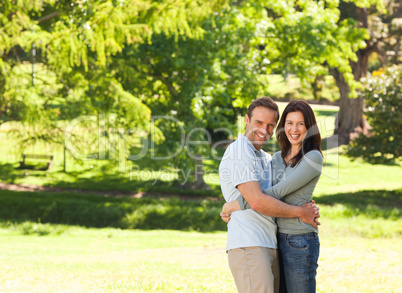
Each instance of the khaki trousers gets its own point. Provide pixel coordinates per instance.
(255, 269)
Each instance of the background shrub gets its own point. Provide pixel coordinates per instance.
(383, 97)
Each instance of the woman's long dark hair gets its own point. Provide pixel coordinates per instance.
(312, 141)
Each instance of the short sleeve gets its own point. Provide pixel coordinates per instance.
(243, 203)
(238, 166)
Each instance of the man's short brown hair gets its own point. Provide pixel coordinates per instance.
(265, 102)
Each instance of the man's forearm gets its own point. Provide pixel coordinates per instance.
(267, 205)
(273, 207)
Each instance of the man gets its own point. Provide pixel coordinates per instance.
(245, 168)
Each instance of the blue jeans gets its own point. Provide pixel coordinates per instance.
(298, 262)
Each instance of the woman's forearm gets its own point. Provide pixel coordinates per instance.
(230, 207)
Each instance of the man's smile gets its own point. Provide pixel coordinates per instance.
(261, 135)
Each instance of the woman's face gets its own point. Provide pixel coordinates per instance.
(295, 128)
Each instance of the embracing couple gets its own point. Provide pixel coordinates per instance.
(272, 241)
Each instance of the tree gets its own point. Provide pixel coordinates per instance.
(311, 38)
(308, 37)
(80, 34)
(350, 117)
(75, 41)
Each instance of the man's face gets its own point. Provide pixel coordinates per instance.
(260, 126)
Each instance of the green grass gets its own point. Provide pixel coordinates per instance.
(99, 211)
(113, 260)
(371, 213)
(340, 175)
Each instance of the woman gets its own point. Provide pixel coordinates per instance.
(296, 170)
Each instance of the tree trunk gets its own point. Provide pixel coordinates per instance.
(2, 91)
(199, 173)
(317, 86)
(350, 121)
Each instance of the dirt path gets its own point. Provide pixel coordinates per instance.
(37, 188)
(105, 193)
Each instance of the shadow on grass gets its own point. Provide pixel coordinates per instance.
(96, 211)
(380, 161)
(385, 204)
(10, 173)
(116, 183)
(202, 215)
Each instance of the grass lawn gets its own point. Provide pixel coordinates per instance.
(339, 174)
(113, 260)
(360, 235)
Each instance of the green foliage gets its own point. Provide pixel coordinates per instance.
(307, 37)
(383, 95)
(75, 42)
(194, 85)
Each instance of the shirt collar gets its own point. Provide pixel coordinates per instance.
(244, 138)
